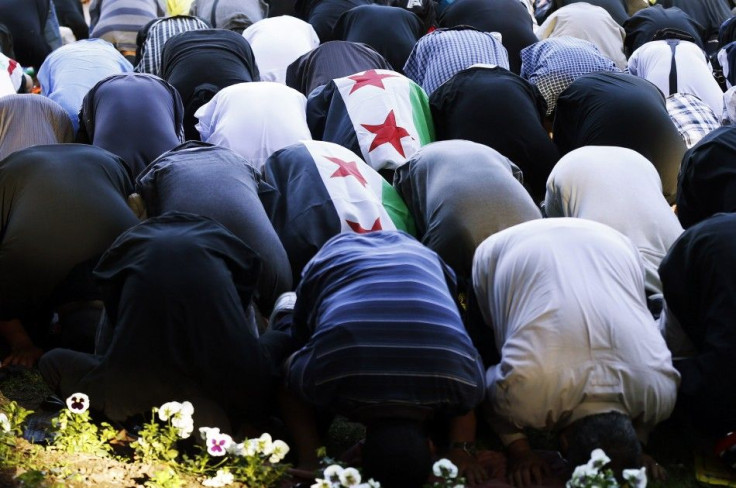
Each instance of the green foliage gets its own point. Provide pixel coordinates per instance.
(254, 462)
(164, 478)
(17, 416)
(11, 426)
(156, 442)
(256, 472)
(37, 479)
(76, 433)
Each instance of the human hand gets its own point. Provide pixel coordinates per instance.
(468, 466)
(525, 466)
(24, 355)
(654, 470)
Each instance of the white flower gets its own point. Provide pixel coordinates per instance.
(180, 421)
(637, 478)
(265, 444)
(236, 449)
(250, 448)
(279, 451)
(371, 483)
(444, 468)
(168, 409)
(584, 471)
(207, 432)
(218, 444)
(222, 478)
(598, 458)
(78, 403)
(4, 423)
(459, 486)
(350, 477)
(184, 425)
(332, 473)
(320, 483)
(187, 409)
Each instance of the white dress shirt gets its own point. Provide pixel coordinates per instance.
(566, 301)
(254, 119)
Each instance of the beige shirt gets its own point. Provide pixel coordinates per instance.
(566, 300)
(590, 23)
(618, 187)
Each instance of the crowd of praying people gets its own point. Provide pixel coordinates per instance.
(424, 216)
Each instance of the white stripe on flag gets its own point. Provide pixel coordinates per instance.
(354, 187)
(370, 103)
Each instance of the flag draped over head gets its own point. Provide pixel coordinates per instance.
(319, 189)
(377, 113)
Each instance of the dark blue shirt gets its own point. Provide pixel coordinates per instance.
(380, 327)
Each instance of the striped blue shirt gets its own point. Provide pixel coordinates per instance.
(381, 328)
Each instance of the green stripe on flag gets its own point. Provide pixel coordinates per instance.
(397, 209)
(422, 114)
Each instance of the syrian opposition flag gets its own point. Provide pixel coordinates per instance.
(315, 190)
(377, 113)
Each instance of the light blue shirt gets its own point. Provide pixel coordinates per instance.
(71, 71)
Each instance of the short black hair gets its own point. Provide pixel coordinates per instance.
(610, 431)
(396, 453)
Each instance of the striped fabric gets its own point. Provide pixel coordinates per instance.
(380, 327)
(437, 56)
(27, 120)
(159, 32)
(118, 21)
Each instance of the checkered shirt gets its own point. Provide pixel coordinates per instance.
(554, 63)
(160, 32)
(439, 55)
(692, 117)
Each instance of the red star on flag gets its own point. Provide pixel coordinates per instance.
(371, 78)
(347, 168)
(11, 65)
(360, 230)
(387, 133)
